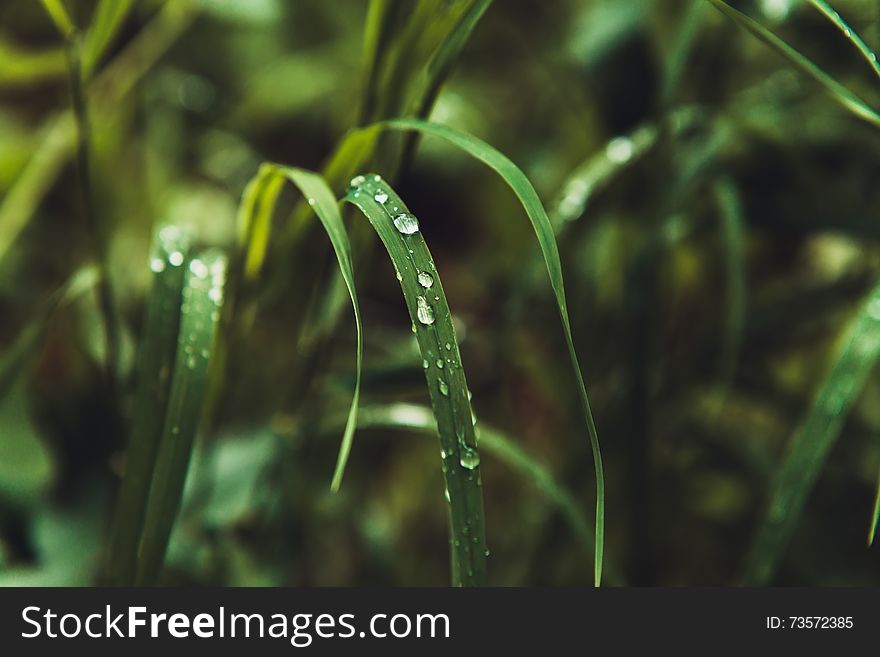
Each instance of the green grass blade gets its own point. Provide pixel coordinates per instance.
(60, 17)
(203, 290)
(840, 93)
(523, 189)
(732, 230)
(875, 516)
(108, 17)
(863, 48)
(447, 387)
(254, 226)
(813, 441)
(154, 370)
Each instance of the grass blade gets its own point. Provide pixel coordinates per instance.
(59, 16)
(203, 289)
(155, 367)
(523, 189)
(840, 93)
(863, 48)
(254, 226)
(813, 441)
(108, 17)
(447, 387)
(872, 529)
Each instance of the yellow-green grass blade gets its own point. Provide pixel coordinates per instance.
(875, 516)
(107, 19)
(254, 228)
(200, 311)
(156, 359)
(525, 192)
(58, 13)
(813, 441)
(839, 92)
(864, 49)
(432, 324)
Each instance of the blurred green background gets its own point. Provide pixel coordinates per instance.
(718, 236)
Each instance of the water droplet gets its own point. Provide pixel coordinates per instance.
(426, 364)
(198, 268)
(215, 294)
(406, 223)
(443, 454)
(176, 258)
(191, 362)
(444, 388)
(399, 277)
(377, 178)
(440, 363)
(413, 328)
(424, 312)
(157, 265)
(357, 181)
(469, 457)
(425, 279)
(311, 201)
(446, 495)
(380, 197)
(448, 347)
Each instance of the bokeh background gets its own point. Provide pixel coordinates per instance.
(717, 214)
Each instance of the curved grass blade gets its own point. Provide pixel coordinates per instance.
(155, 367)
(254, 226)
(203, 290)
(839, 92)
(60, 17)
(813, 441)
(494, 442)
(523, 189)
(863, 48)
(108, 17)
(872, 529)
(432, 324)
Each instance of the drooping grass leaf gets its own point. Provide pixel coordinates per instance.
(203, 290)
(814, 439)
(875, 515)
(864, 49)
(108, 17)
(154, 371)
(59, 16)
(519, 183)
(432, 324)
(254, 226)
(839, 92)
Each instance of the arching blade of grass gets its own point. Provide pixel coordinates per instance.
(523, 189)
(494, 442)
(203, 290)
(863, 48)
(255, 222)
(875, 516)
(813, 441)
(59, 16)
(840, 93)
(108, 17)
(432, 324)
(156, 357)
